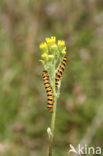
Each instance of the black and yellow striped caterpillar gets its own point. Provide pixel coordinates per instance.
(48, 90)
(60, 71)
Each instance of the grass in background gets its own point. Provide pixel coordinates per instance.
(23, 114)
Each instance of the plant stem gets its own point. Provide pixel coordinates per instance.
(53, 115)
(52, 127)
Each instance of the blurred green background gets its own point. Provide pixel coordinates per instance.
(24, 117)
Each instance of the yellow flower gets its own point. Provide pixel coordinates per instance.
(44, 55)
(51, 40)
(61, 43)
(43, 46)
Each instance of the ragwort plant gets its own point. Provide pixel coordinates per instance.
(53, 60)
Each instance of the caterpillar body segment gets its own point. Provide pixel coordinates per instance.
(60, 72)
(48, 90)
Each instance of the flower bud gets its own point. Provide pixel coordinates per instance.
(50, 134)
(42, 61)
(61, 43)
(51, 41)
(50, 57)
(44, 47)
(44, 56)
(63, 52)
(54, 47)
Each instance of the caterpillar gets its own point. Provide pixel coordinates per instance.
(60, 71)
(48, 90)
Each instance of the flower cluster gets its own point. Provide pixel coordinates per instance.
(50, 49)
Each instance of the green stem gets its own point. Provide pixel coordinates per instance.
(53, 116)
(52, 129)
